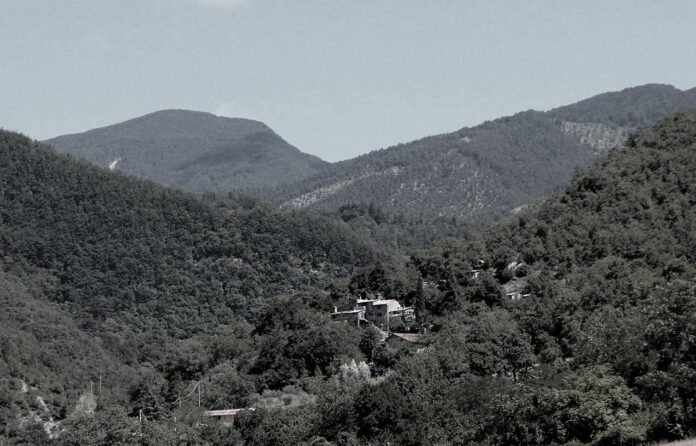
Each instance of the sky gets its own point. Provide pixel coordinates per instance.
(335, 78)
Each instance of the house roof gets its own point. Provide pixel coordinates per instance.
(348, 312)
(223, 412)
(404, 309)
(408, 337)
(386, 302)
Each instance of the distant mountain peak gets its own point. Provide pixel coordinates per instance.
(630, 107)
(179, 114)
(195, 151)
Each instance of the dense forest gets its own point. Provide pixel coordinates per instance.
(483, 173)
(394, 235)
(577, 328)
(101, 271)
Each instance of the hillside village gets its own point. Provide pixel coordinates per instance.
(533, 324)
(347, 223)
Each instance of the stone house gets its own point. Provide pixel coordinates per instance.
(352, 316)
(379, 312)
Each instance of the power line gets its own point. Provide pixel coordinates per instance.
(197, 386)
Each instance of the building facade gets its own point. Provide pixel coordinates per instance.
(379, 312)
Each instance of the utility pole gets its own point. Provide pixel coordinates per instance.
(199, 394)
(91, 387)
(100, 385)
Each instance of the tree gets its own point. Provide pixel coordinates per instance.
(370, 339)
(149, 395)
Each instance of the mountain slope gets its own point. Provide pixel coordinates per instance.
(46, 360)
(194, 151)
(139, 263)
(579, 326)
(484, 172)
(101, 273)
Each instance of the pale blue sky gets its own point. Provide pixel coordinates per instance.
(335, 78)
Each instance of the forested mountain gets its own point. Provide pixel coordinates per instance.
(578, 327)
(200, 152)
(100, 272)
(484, 172)
(638, 106)
(570, 323)
(396, 236)
(476, 174)
(46, 359)
(193, 151)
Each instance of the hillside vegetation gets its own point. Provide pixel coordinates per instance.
(600, 351)
(116, 244)
(194, 151)
(572, 322)
(596, 347)
(482, 173)
(101, 272)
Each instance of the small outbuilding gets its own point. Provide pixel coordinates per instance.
(225, 416)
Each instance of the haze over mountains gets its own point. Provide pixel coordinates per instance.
(193, 151)
(479, 173)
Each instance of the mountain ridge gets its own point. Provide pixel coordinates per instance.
(577, 325)
(191, 150)
(66, 216)
(101, 273)
(486, 171)
(475, 174)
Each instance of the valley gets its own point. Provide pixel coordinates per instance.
(133, 310)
